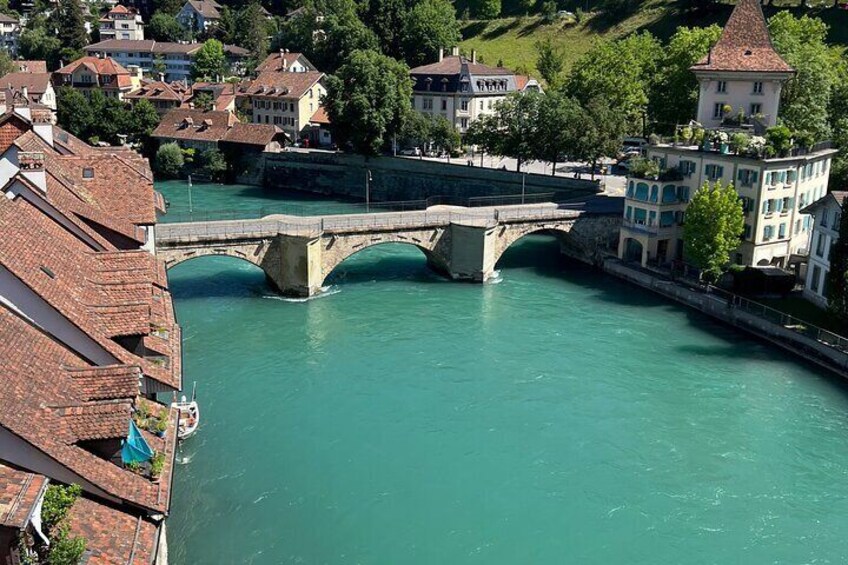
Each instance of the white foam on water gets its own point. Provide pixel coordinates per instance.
(325, 291)
(496, 278)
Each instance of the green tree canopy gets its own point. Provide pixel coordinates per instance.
(38, 45)
(431, 25)
(169, 160)
(549, 61)
(164, 27)
(387, 19)
(69, 19)
(805, 99)
(516, 119)
(210, 62)
(73, 112)
(673, 96)
(561, 124)
(714, 226)
(486, 9)
(252, 30)
(368, 100)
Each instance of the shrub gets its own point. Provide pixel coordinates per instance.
(645, 168)
(739, 142)
(65, 550)
(780, 139)
(157, 464)
(169, 160)
(211, 162)
(57, 502)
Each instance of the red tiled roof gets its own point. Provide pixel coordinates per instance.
(320, 117)
(282, 85)
(35, 83)
(745, 44)
(112, 536)
(104, 66)
(253, 134)
(155, 90)
(453, 66)
(195, 125)
(31, 66)
(41, 404)
(280, 61)
(19, 492)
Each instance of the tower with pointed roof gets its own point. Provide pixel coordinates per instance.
(742, 73)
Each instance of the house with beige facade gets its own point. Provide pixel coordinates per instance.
(88, 73)
(284, 99)
(461, 89)
(774, 187)
(827, 214)
(122, 23)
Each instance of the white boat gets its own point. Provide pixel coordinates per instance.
(189, 415)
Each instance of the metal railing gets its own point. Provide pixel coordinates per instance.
(788, 321)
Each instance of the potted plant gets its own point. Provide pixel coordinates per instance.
(161, 427)
(157, 465)
(780, 139)
(739, 142)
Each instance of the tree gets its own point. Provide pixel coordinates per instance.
(70, 27)
(517, 118)
(714, 225)
(38, 45)
(368, 100)
(164, 27)
(171, 7)
(444, 135)
(837, 276)
(599, 132)
(211, 162)
(143, 119)
(673, 96)
(806, 97)
(387, 18)
(549, 61)
(415, 131)
(561, 123)
(169, 160)
(431, 25)
(6, 64)
(73, 112)
(210, 63)
(620, 72)
(487, 9)
(254, 30)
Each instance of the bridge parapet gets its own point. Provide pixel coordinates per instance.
(298, 253)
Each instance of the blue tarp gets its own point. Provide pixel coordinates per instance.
(135, 448)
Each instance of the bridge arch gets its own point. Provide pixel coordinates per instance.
(175, 257)
(332, 260)
(511, 235)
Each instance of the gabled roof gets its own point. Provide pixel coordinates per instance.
(31, 66)
(283, 60)
(19, 493)
(456, 64)
(35, 83)
(282, 85)
(745, 44)
(156, 90)
(112, 536)
(6, 19)
(832, 197)
(254, 134)
(101, 67)
(208, 10)
(320, 117)
(195, 125)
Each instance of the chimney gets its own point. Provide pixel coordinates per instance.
(455, 51)
(25, 93)
(42, 124)
(474, 56)
(441, 54)
(31, 164)
(2, 101)
(161, 77)
(285, 64)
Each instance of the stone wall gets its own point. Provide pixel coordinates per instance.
(396, 178)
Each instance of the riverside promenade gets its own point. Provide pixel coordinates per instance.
(298, 253)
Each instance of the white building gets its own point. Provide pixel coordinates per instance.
(199, 15)
(773, 190)
(10, 33)
(461, 89)
(827, 212)
(284, 99)
(122, 23)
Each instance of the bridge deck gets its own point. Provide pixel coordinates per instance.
(352, 223)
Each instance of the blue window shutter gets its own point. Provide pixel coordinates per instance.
(754, 175)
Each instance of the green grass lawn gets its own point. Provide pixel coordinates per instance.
(512, 40)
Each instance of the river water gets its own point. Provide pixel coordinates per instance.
(559, 416)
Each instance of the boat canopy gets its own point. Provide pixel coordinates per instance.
(135, 448)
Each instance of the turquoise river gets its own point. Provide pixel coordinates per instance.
(559, 416)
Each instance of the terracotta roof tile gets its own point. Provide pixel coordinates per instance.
(253, 134)
(282, 85)
(195, 125)
(281, 61)
(113, 536)
(31, 66)
(454, 65)
(320, 116)
(745, 44)
(19, 492)
(104, 66)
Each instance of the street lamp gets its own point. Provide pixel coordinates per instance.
(523, 177)
(368, 180)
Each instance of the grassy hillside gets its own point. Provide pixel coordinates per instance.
(512, 39)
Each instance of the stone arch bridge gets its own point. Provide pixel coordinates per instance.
(297, 254)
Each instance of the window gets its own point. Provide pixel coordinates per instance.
(444, 104)
(481, 105)
(666, 219)
(781, 231)
(814, 280)
(654, 193)
(747, 177)
(88, 173)
(820, 245)
(714, 172)
(463, 105)
(756, 109)
(463, 123)
(721, 86)
(718, 110)
(639, 216)
(768, 206)
(758, 87)
(747, 233)
(768, 233)
(686, 167)
(824, 219)
(683, 193)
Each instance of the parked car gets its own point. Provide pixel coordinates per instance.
(411, 152)
(565, 14)
(623, 165)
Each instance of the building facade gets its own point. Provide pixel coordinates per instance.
(773, 189)
(10, 33)
(284, 99)
(122, 23)
(284, 61)
(199, 15)
(461, 90)
(88, 73)
(826, 213)
(173, 60)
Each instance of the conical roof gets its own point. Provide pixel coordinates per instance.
(745, 44)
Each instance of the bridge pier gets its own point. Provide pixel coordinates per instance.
(295, 268)
(471, 255)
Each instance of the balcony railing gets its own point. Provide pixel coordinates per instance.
(654, 229)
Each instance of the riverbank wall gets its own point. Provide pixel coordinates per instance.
(717, 307)
(400, 179)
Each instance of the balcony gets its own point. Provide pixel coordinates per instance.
(652, 230)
